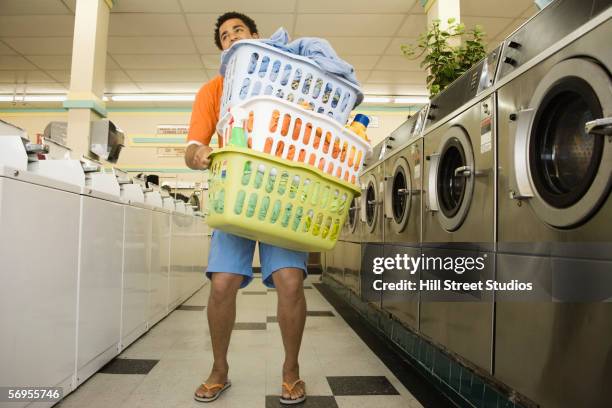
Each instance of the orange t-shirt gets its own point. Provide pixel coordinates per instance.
(205, 112)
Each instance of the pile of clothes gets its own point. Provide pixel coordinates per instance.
(317, 49)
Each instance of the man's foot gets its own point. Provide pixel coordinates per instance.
(294, 389)
(210, 388)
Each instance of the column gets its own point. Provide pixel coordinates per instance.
(84, 102)
(442, 10)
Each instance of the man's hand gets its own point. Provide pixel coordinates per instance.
(197, 157)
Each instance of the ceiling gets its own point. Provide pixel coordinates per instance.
(166, 46)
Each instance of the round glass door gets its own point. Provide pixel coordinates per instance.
(569, 168)
(564, 159)
(454, 178)
(400, 195)
(370, 205)
(451, 184)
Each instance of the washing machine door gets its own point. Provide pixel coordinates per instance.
(398, 195)
(370, 204)
(562, 151)
(353, 216)
(451, 178)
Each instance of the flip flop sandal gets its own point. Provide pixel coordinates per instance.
(289, 388)
(221, 387)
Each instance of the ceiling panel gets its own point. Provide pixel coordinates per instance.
(531, 11)
(180, 87)
(509, 29)
(211, 61)
(41, 45)
(36, 26)
(5, 50)
(110, 62)
(492, 26)
(15, 62)
(151, 45)
(204, 24)
(170, 75)
(71, 4)
(58, 62)
(243, 6)
(12, 77)
(480, 8)
(414, 25)
(158, 61)
(358, 45)
(206, 45)
(59, 75)
(111, 76)
(212, 73)
(116, 76)
(115, 87)
(355, 6)
(398, 63)
(125, 24)
(146, 6)
(398, 77)
(42, 88)
(347, 25)
(394, 47)
(22, 7)
(360, 62)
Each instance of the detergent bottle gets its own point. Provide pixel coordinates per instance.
(359, 126)
(238, 137)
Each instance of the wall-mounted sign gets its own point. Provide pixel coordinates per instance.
(170, 151)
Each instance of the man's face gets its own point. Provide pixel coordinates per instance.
(233, 30)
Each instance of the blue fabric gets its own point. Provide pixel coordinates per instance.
(317, 49)
(233, 254)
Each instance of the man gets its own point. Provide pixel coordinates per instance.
(231, 257)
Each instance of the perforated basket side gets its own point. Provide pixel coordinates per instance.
(273, 201)
(259, 69)
(293, 133)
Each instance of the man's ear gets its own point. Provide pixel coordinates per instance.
(255, 35)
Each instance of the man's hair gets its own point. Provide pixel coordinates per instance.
(248, 21)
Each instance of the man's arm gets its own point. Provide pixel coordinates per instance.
(197, 156)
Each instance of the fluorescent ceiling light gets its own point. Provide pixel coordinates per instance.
(153, 98)
(377, 99)
(33, 98)
(417, 99)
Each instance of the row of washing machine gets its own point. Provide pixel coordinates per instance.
(88, 263)
(512, 165)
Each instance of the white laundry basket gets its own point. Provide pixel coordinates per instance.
(255, 68)
(290, 132)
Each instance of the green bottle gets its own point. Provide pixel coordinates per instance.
(238, 137)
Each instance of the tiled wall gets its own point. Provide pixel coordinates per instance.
(462, 384)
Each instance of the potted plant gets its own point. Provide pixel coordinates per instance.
(444, 61)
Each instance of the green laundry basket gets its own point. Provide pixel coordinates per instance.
(291, 205)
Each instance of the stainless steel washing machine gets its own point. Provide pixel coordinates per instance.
(352, 247)
(555, 211)
(371, 215)
(459, 215)
(402, 216)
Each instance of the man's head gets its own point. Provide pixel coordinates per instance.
(232, 27)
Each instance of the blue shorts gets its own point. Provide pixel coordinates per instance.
(232, 254)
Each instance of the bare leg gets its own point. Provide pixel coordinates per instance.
(221, 316)
(291, 312)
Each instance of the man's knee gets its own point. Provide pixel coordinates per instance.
(224, 286)
(289, 283)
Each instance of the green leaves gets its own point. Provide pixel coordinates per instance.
(445, 62)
